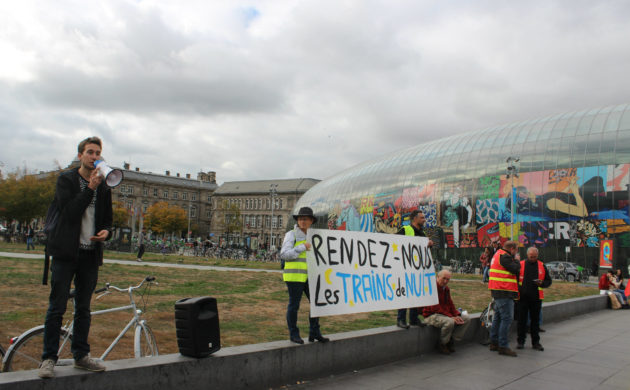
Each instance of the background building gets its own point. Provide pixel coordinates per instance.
(243, 212)
(568, 177)
(139, 190)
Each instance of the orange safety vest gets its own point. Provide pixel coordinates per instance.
(500, 278)
(541, 276)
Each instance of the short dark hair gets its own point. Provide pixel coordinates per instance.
(89, 140)
(510, 245)
(414, 213)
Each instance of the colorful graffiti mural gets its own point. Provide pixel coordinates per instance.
(573, 206)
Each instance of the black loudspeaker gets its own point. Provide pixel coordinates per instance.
(197, 325)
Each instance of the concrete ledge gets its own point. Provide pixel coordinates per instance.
(261, 366)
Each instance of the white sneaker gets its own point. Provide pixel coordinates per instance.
(47, 369)
(87, 363)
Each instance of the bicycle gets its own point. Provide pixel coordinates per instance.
(455, 266)
(467, 267)
(25, 351)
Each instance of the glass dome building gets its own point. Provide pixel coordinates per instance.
(560, 183)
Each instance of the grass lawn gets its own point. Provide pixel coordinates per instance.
(252, 305)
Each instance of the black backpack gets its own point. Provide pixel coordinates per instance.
(52, 216)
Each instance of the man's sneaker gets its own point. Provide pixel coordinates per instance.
(493, 346)
(402, 324)
(87, 363)
(47, 369)
(506, 351)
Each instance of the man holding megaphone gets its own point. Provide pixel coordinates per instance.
(84, 204)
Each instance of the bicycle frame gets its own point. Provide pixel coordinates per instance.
(134, 321)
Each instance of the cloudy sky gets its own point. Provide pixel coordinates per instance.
(280, 89)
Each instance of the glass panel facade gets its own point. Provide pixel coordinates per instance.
(572, 187)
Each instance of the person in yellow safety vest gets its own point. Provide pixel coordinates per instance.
(416, 222)
(503, 284)
(532, 279)
(295, 275)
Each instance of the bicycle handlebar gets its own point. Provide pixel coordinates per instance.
(100, 290)
(148, 279)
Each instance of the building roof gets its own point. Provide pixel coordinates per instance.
(299, 185)
(167, 180)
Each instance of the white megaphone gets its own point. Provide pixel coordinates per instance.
(112, 177)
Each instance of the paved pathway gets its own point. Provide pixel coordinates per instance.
(147, 263)
(586, 352)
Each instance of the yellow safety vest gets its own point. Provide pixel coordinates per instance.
(296, 270)
(409, 230)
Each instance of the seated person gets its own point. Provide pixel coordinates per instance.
(619, 279)
(445, 316)
(614, 286)
(604, 282)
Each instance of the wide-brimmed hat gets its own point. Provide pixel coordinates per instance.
(305, 212)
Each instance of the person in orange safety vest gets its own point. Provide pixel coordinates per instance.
(503, 283)
(533, 277)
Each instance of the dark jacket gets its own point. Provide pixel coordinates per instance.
(72, 202)
(528, 289)
(514, 267)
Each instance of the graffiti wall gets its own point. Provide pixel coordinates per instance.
(562, 207)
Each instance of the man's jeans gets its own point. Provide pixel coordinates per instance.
(486, 274)
(295, 296)
(85, 273)
(503, 317)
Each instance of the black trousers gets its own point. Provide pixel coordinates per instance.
(140, 251)
(528, 306)
(84, 272)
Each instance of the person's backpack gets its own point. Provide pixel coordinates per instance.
(52, 216)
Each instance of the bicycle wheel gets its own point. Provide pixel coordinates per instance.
(144, 341)
(26, 353)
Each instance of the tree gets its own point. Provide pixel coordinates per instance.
(164, 218)
(24, 197)
(121, 214)
(232, 218)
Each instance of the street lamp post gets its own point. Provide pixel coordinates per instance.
(511, 172)
(273, 193)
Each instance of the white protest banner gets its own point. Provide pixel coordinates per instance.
(356, 272)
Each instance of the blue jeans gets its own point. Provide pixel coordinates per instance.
(486, 274)
(295, 296)
(503, 317)
(29, 243)
(413, 315)
(84, 271)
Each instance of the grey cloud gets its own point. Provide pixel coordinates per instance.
(68, 89)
